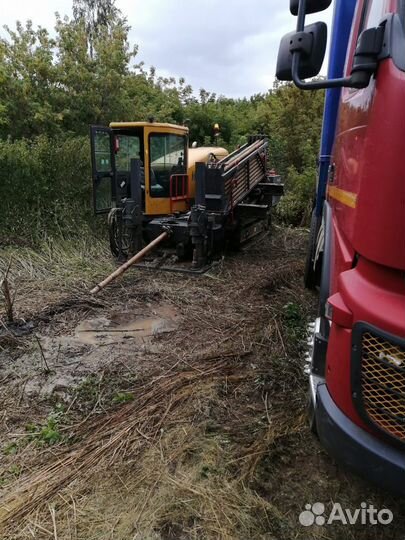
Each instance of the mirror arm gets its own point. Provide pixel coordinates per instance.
(347, 82)
(301, 15)
(358, 79)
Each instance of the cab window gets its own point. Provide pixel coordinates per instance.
(102, 151)
(401, 11)
(129, 148)
(373, 12)
(167, 157)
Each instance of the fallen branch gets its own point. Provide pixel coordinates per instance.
(5, 287)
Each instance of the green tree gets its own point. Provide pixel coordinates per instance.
(28, 93)
(53, 85)
(293, 121)
(96, 15)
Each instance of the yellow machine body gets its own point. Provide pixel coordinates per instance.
(150, 132)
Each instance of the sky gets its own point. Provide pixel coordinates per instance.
(227, 47)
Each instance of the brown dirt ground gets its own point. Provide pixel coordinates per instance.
(168, 407)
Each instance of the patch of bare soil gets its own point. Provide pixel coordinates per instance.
(168, 407)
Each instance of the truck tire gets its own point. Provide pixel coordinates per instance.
(312, 275)
(116, 229)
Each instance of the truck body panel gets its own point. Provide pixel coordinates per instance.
(357, 355)
(366, 194)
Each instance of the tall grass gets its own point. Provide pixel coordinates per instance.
(57, 258)
(45, 189)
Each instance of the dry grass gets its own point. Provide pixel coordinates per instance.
(214, 444)
(55, 271)
(180, 483)
(160, 446)
(111, 438)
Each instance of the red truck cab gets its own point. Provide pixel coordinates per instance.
(357, 248)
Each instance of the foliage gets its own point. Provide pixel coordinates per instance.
(96, 15)
(10, 449)
(296, 205)
(294, 324)
(44, 186)
(49, 433)
(123, 397)
(53, 85)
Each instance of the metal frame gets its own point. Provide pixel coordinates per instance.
(96, 175)
(359, 329)
(220, 188)
(174, 194)
(185, 164)
(342, 17)
(361, 72)
(330, 83)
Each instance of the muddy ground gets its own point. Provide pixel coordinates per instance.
(167, 407)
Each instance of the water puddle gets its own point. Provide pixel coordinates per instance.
(120, 327)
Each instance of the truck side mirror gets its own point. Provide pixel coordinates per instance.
(311, 44)
(301, 54)
(311, 6)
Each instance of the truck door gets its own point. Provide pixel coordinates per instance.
(103, 168)
(368, 155)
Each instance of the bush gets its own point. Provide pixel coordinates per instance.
(295, 206)
(45, 187)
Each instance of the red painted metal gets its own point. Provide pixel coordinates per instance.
(178, 187)
(374, 294)
(368, 235)
(340, 314)
(369, 161)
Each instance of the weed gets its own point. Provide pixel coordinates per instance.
(292, 313)
(123, 397)
(88, 392)
(207, 471)
(15, 470)
(49, 433)
(295, 325)
(10, 449)
(10, 474)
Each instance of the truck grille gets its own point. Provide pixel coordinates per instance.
(382, 379)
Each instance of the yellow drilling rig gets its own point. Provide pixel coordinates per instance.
(194, 201)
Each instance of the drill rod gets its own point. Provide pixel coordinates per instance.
(136, 258)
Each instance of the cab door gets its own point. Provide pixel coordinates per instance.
(103, 168)
(367, 181)
(165, 157)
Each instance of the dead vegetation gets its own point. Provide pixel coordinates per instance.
(8, 299)
(197, 433)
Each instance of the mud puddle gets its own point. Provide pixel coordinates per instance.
(57, 363)
(120, 327)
